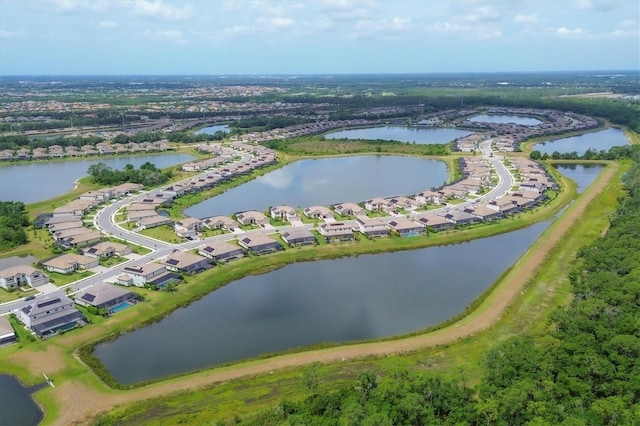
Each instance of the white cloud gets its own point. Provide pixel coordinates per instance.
(158, 9)
(11, 34)
(73, 5)
(168, 36)
(525, 19)
(599, 5)
(385, 28)
(107, 24)
(570, 33)
(482, 14)
(466, 31)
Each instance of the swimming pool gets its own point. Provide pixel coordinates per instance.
(119, 307)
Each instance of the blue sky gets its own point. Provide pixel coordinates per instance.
(316, 37)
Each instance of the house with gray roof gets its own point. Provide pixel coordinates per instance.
(284, 213)
(435, 222)
(252, 217)
(220, 222)
(81, 240)
(299, 237)
(187, 227)
(318, 212)
(48, 315)
(104, 296)
(69, 262)
(349, 209)
(106, 249)
(259, 244)
(460, 217)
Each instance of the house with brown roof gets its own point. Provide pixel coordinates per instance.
(252, 217)
(187, 227)
(284, 213)
(81, 240)
(483, 212)
(371, 227)
(318, 212)
(19, 275)
(336, 232)
(377, 205)
(349, 209)
(259, 244)
(460, 217)
(153, 221)
(186, 262)
(69, 262)
(106, 249)
(220, 222)
(435, 222)
(428, 197)
(221, 251)
(148, 273)
(406, 227)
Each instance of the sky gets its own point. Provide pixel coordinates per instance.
(166, 37)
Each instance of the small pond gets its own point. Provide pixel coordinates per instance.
(600, 140)
(505, 119)
(582, 174)
(17, 406)
(418, 135)
(212, 130)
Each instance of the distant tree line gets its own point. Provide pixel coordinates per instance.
(148, 174)
(13, 219)
(614, 153)
(29, 142)
(264, 123)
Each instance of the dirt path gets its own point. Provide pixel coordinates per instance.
(78, 403)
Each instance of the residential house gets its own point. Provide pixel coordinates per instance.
(50, 314)
(483, 212)
(349, 209)
(220, 222)
(7, 333)
(336, 231)
(81, 240)
(252, 217)
(104, 296)
(153, 221)
(428, 197)
(64, 226)
(69, 262)
(318, 212)
(299, 237)
(377, 205)
(106, 249)
(186, 262)
(435, 222)
(504, 205)
(19, 275)
(149, 273)
(406, 227)
(259, 244)
(371, 227)
(221, 251)
(403, 203)
(188, 227)
(284, 213)
(460, 217)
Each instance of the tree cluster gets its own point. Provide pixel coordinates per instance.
(13, 219)
(148, 174)
(614, 153)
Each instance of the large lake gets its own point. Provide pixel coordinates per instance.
(212, 130)
(40, 181)
(603, 139)
(328, 181)
(401, 134)
(363, 297)
(505, 119)
(17, 407)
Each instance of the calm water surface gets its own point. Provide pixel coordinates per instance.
(328, 181)
(211, 130)
(582, 174)
(401, 134)
(505, 118)
(301, 304)
(604, 139)
(17, 407)
(40, 181)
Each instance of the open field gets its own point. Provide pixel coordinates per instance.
(74, 377)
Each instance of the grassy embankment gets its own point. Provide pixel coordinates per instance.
(547, 288)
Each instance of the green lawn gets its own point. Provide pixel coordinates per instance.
(63, 279)
(112, 261)
(163, 233)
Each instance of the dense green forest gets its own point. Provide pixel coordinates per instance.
(148, 174)
(13, 217)
(585, 373)
(614, 153)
